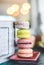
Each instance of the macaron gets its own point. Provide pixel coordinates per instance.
(22, 24)
(23, 33)
(27, 42)
(25, 53)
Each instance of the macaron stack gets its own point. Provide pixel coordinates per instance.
(25, 41)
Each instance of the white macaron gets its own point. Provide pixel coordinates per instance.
(22, 24)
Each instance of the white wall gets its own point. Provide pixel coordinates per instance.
(34, 14)
(41, 11)
(37, 17)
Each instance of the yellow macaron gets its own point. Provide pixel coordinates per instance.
(23, 33)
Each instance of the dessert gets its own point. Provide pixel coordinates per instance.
(22, 24)
(25, 53)
(23, 33)
(27, 42)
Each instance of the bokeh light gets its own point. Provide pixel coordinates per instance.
(25, 9)
(14, 9)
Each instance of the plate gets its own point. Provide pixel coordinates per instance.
(33, 58)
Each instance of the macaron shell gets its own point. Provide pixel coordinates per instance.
(23, 36)
(23, 51)
(22, 26)
(26, 40)
(25, 55)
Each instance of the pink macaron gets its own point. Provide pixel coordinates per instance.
(27, 42)
(25, 53)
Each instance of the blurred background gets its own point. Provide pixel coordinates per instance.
(36, 15)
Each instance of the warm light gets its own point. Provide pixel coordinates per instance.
(24, 12)
(15, 13)
(26, 6)
(25, 9)
(14, 9)
(10, 11)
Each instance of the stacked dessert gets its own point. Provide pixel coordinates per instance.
(25, 41)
